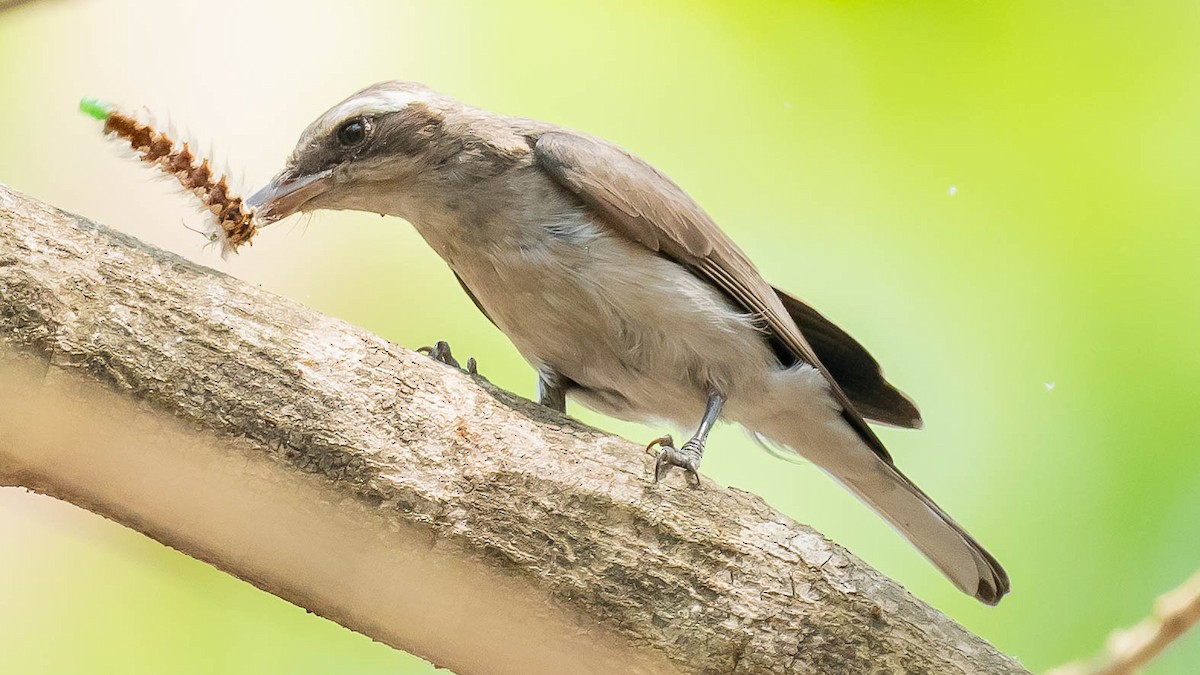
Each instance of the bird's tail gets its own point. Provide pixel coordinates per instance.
(821, 435)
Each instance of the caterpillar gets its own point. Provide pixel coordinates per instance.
(231, 223)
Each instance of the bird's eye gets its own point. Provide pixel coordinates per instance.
(352, 133)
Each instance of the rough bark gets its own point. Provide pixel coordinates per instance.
(402, 498)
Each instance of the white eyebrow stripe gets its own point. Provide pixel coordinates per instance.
(376, 102)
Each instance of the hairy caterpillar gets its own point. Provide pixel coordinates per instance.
(232, 224)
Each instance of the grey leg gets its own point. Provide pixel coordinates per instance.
(688, 457)
(552, 391)
(441, 352)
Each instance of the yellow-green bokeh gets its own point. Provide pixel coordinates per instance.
(999, 199)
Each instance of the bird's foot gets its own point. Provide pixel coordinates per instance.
(440, 352)
(686, 458)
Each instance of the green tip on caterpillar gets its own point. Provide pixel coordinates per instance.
(95, 108)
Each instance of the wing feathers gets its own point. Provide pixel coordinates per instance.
(853, 367)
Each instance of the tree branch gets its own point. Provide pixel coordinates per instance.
(399, 497)
(1128, 650)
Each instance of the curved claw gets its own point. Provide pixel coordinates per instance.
(664, 441)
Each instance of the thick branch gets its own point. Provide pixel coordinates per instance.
(400, 497)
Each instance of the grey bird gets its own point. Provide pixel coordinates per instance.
(621, 292)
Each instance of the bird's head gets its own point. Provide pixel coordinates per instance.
(384, 137)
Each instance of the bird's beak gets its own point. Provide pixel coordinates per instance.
(287, 194)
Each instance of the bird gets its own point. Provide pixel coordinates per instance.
(622, 293)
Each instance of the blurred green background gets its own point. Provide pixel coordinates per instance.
(999, 199)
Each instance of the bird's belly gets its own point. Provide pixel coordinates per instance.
(643, 338)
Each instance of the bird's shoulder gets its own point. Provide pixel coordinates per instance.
(638, 199)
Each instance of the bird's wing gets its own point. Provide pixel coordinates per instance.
(853, 367)
(646, 206)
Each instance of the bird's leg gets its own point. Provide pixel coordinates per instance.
(552, 390)
(688, 457)
(440, 352)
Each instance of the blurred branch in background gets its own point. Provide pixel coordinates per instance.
(401, 497)
(12, 4)
(1128, 650)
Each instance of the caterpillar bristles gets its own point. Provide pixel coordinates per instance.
(233, 223)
